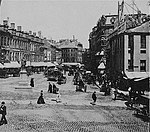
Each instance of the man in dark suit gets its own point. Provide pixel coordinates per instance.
(3, 112)
(94, 97)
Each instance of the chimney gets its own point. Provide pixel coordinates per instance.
(12, 25)
(30, 32)
(39, 34)
(18, 28)
(73, 37)
(34, 34)
(5, 22)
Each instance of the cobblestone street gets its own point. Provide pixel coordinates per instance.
(73, 114)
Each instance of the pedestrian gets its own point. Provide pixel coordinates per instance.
(50, 88)
(94, 97)
(3, 112)
(32, 82)
(58, 99)
(115, 94)
(41, 99)
(55, 89)
(85, 88)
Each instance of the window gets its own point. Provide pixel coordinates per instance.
(5, 39)
(129, 64)
(131, 41)
(129, 51)
(143, 51)
(1, 41)
(142, 65)
(143, 41)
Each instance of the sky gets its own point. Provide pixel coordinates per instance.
(61, 19)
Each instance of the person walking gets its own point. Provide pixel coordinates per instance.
(32, 82)
(58, 99)
(41, 99)
(55, 89)
(115, 94)
(3, 112)
(94, 97)
(50, 88)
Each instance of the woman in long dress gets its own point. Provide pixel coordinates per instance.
(41, 99)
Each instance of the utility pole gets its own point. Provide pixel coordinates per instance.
(148, 6)
(0, 10)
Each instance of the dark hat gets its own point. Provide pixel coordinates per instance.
(3, 102)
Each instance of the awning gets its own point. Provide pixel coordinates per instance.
(56, 63)
(49, 64)
(101, 66)
(37, 64)
(134, 75)
(12, 65)
(100, 53)
(88, 71)
(1, 65)
(72, 64)
(28, 63)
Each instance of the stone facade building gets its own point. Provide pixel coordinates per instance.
(17, 44)
(97, 40)
(71, 51)
(129, 49)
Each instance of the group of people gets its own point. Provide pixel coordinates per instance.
(52, 88)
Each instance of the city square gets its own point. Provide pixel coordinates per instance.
(73, 114)
(74, 66)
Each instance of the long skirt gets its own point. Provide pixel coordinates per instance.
(40, 100)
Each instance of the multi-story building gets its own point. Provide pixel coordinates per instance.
(18, 44)
(86, 59)
(71, 51)
(52, 52)
(129, 47)
(125, 42)
(97, 39)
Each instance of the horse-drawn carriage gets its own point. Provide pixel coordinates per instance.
(138, 100)
(141, 105)
(53, 75)
(61, 79)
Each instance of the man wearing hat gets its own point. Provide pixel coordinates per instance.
(3, 112)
